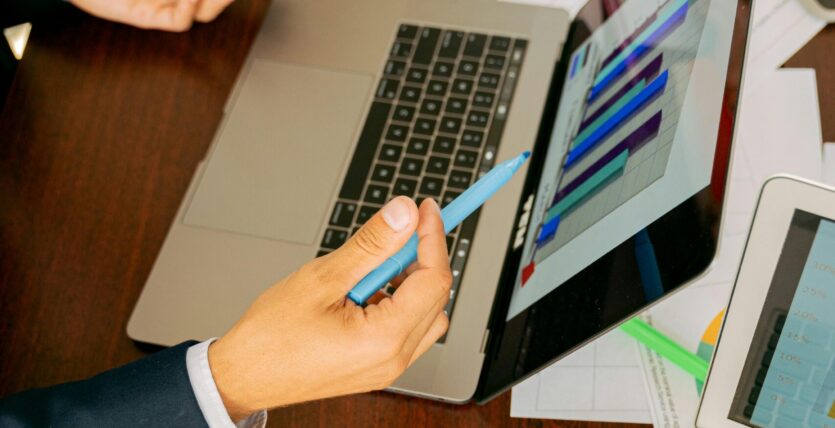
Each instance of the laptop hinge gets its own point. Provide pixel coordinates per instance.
(484, 341)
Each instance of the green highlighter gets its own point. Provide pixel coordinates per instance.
(653, 339)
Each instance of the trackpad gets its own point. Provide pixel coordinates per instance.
(281, 152)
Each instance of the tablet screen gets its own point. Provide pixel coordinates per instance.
(635, 135)
(789, 375)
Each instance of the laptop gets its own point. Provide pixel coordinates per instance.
(343, 105)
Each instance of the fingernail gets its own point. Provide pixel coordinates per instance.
(396, 214)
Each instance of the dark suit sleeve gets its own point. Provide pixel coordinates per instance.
(152, 392)
(13, 12)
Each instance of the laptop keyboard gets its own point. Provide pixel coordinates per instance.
(433, 128)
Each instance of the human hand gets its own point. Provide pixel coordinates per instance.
(169, 15)
(303, 340)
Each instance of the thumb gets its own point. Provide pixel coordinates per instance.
(380, 238)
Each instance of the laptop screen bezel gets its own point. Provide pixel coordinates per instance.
(510, 341)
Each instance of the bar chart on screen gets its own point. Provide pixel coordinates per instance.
(627, 123)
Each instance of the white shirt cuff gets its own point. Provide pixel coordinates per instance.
(208, 397)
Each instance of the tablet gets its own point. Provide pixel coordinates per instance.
(775, 360)
(624, 193)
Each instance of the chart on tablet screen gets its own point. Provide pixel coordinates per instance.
(623, 140)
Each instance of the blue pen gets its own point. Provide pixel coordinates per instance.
(452, 215)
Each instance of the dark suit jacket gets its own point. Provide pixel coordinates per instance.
(152, 392)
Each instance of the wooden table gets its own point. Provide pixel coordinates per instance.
(100, 135)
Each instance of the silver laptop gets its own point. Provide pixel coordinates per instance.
(340, 106)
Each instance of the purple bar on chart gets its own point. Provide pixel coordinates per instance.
(649, 72)
(637, 139)
(549, 230)
(629, 39)
(630, 61)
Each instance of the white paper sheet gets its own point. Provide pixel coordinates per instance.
(601, 382)
(779, 133)
(829, 164)
(572, 6)
(779, 29)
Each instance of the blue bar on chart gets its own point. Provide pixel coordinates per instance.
(549, 230)
(668, 20)
(612, 122)
(647, 73)
(635, 33)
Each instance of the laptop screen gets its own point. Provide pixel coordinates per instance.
(625, 189)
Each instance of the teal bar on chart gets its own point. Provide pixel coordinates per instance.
(594, 126)
(663, 17)
(589, 187)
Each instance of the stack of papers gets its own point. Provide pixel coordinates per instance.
(778, 131)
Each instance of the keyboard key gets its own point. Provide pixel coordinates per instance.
(459, 179)
(462, 86)
(437, 88)
(365, 213)
(475, 45)
(451, 44)
(466, 158)
(390, 153)
(456, 105)
(442, 69)
(468, 68)
(437, 165)
(431, 186)
(449, 196)
(394, 68)
(488, 80)
(431, 107)
(397, 132)
(426, 45)
(401, 49)
(494, 62)
(369, 139)
(425, 126)
(354, 231)
(451, 125)
(404, 187)
(417, 75)
(321, 253)
(410, 94)
(500, 44)
(411, 166)
(418, 146)
(483, 99)
(444, 145)
(472, 138)
(376, 194)
(404, 113)
(478, 118)
(343, 214)
(388, 89)
(407, 31)
(383, 173)
(334, 238)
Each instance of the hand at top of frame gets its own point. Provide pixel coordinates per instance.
(168, 15)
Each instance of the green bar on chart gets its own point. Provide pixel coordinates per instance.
(590, 186)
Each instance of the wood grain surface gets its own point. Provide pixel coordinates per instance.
(100, 135)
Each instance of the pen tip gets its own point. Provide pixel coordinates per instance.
(526, 154)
